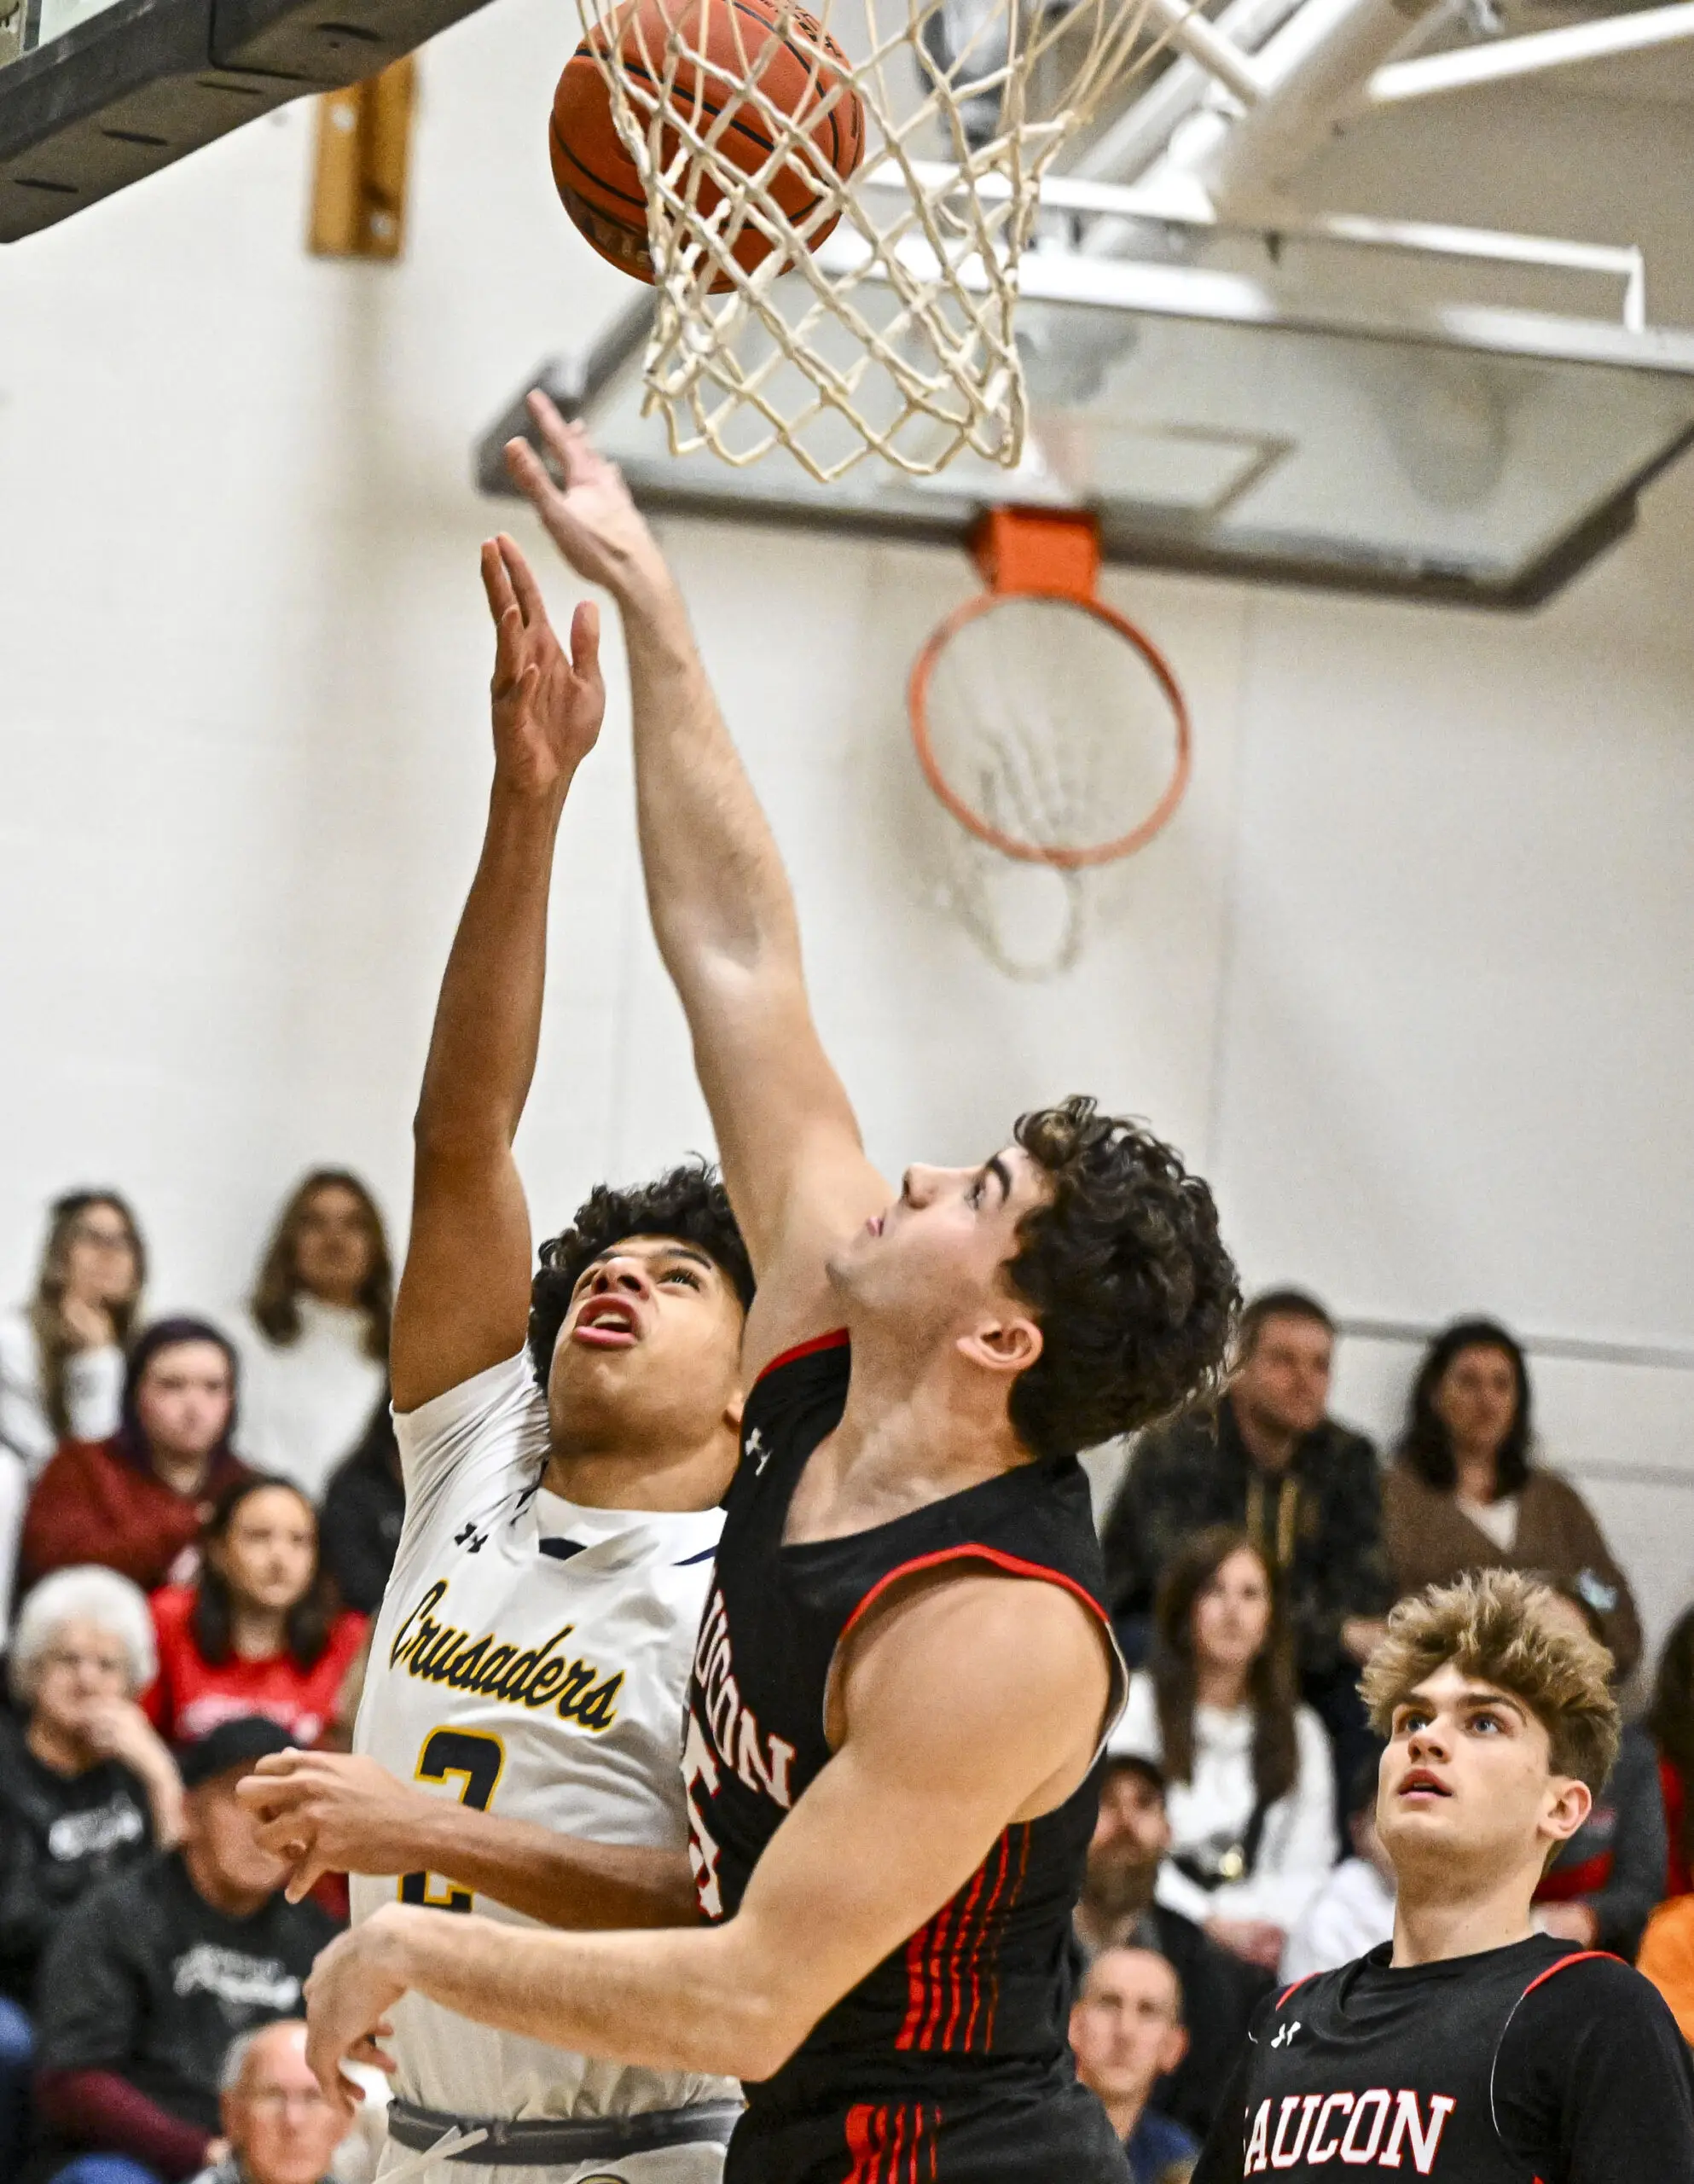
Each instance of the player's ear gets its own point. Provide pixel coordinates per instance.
(1569, 1805)
(1172, 2049)
(732, 1410)
(1009, 1345)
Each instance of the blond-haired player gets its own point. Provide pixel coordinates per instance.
(1471, 2048)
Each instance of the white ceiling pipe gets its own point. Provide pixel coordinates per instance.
(1220, 58)
(1500, 58)
(1314, 71)
(1143, 129)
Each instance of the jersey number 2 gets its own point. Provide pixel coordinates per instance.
(477, 1760)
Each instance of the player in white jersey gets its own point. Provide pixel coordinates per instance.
(519, 1742)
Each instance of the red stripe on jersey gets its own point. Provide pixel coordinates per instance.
(916, 1991)
(1013, 1563)
(860, 2144)
(1295, 1988)
(835, 1339)
(896, 2150)
(1004, 1848)
(1010, 1905)
(933, 1962)
(955, 1959)
(1577, 1956)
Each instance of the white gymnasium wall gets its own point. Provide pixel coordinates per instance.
(1408, 972)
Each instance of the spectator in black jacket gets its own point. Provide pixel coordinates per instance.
(146, 1981)
(86, 1788)
(1272, 1461)
(364, 1506)
(1220, 1991)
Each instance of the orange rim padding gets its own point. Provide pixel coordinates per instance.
(1045, 554)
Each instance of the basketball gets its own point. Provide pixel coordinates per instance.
(738, 59)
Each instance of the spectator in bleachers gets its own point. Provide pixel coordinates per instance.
(1603, 1886)
(315, 1345)
(1465, 1493)
(86, 1788)
(364, 1506)
(1271, 1461)
(61, 1354)
(1353, 1910)
(137, 1501)
(1667, 1959)
(1127, 2034)
(1249, 1786)
(278, 2127)
(1670, 1720)
(1119, 1909)
(145, 1984)
(258, 1632)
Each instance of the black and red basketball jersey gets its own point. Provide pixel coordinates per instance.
(1535, 2064)
(973, 2008)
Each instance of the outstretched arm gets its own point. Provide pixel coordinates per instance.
(335, 1812)
(723, 911)
(972, 1704)
(465, 1294)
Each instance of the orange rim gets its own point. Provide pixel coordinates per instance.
(1068, 860)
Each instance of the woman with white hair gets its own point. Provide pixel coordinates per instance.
(86, 1785)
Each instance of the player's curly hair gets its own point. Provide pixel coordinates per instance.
(689, 1202)
(1491, 1624)
(1136, 1294)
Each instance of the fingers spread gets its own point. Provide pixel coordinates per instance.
(498, 585)
(524, 586)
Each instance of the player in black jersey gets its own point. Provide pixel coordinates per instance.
(906, 1668)
(1470, 2049)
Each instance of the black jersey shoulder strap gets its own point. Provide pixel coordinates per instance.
(1540, 1979)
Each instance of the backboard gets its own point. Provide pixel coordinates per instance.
(1388, 409)
(96, 94)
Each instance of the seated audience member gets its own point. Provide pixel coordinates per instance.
(1272, 1462)
(278, 2127)
(1667, 1959)
(364, 1506)
(62, 1356)
(1601, 1888)
(1248, 1784)
(86, 1788)
(315, 1342)
(151, 1977)
(136, 1502)
(1126, 2033)
(1464, 1494)
(257, 1632)
(1354, 1910)
(1670, 1720)
(1119, 1909)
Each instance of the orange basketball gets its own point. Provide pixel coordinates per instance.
(749, 40)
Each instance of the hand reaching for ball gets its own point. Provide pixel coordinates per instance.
(548, 704)
(592, 520)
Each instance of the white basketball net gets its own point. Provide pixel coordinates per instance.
(894, 336)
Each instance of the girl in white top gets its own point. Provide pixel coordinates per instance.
(61, 1354)
(1250, 1790)
(315, 1343)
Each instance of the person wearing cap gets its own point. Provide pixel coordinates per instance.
(150, 1978)
(1118, 1909)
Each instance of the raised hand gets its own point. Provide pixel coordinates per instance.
(593, 521)
(548, 704)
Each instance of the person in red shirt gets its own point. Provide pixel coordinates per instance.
(1670, 1719)
(135, 1503)
(258, 1633)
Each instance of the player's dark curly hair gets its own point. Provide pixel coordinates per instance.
(689, 1202)
(1136, 1294)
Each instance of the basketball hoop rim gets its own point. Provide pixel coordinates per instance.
(1066, 860)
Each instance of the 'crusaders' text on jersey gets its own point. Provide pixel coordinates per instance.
(1535, 2064)
(948, 2060)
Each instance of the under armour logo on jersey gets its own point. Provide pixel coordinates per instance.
(1285, 2037)
(758, 1450)
(476, 1540)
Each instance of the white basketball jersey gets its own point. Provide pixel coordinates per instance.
(530, 1657)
